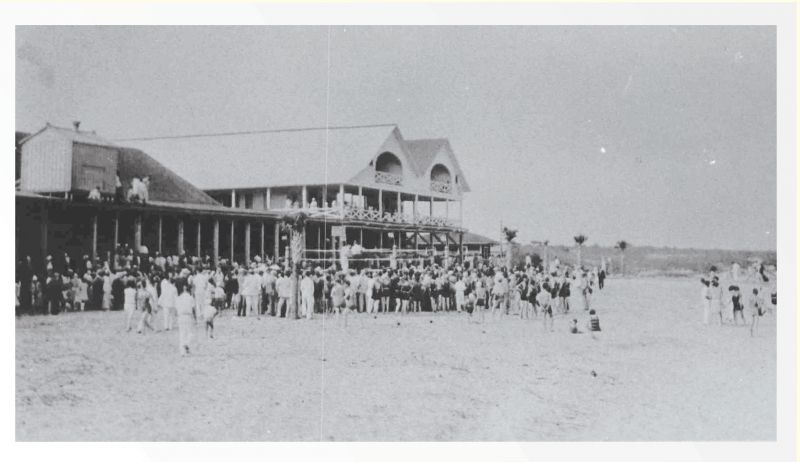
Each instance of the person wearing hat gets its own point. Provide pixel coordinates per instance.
(250, 289)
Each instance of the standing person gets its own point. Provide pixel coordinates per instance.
(199, 288)
(166, 301)
(231, 289)
(369, 292)
(338, 302)
(738, 307)
(716, 299)
(586, 290)
(756, 307)
(129, 302)
(185, 306)
(376, 288)
(480, 300)
(564, 293)
(144, 302)
(361, 288)
(217, 297)
(601, 277)
(307, 294)
(544, 300)
(349, 299)
(252, 286)
(460, 289)
(284, 286)
(705, 298)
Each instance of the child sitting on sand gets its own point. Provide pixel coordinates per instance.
(573, 329)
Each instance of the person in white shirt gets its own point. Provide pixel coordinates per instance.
(130, 303)
(252, 286)
(167, 301)
(284, 288)
(460, 288)
(184, 305)
(307, 294)
(199, 284)
(370, 292)
(94, 194)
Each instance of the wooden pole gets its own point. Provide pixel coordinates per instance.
(341, 199)
(268, 201)
(261, 247)
(304, 196)
(116, 232)
(247, 243)
(180, 237)
(276, 241)
(233, 198)
(380, 201)
(160, 235)
(94, 237)
(216, 242)
(198, 247)
(233, 230)
(137, 232)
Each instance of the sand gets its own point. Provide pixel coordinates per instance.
(660, 375)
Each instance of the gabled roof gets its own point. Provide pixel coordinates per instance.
(275, 158)
(83, 137)
(422, 152)
(165, 185)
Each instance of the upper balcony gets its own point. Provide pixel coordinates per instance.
(388, 178)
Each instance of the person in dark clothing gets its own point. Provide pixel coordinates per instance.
(24, 277)
(54, 293)
(117, 293)
(96, 302)
(231, 288)
(601, 277)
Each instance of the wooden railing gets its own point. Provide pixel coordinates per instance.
(444, 187)
(388, 178)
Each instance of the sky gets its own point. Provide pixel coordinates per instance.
(655, 135)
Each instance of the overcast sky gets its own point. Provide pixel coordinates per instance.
(655, 135)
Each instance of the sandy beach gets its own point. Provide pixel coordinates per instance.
(659, 375)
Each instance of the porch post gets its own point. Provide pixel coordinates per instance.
(94, 237)
(268, 200)
(341, 199)
(304, 196)
(247, 242)
(399, 203)
(233, 198)
(416, 200)
(160, 233)
(180, 236)
(137, 232)
(198, 247)
(380, 201)
(216, 242)
(276, 241)
(233, 230)
(261, 247)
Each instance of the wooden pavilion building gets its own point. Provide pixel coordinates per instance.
(223, 195)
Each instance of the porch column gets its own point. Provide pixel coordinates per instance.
(247, 242)
(360, 196)
(137, 232)
(94, 237)
(199, 248)
(268, 200)
(380, 201)
(180, 236)
(261, 247)
(233, 229)
(116, 232)
(304, 196)
(416, 200)
(461, 248)
(160, 235)
(276, 241)
(361, 236)
(216, 242)
(431, 202)
(341, 199)
(447, 208)
(399, 203)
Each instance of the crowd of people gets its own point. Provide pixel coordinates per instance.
(159, 292)
(730, 309)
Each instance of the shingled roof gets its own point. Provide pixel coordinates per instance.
(165, 185)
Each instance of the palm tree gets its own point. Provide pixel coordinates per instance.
(509, 235)
(579, 240)
(295, 224)
(622, 245)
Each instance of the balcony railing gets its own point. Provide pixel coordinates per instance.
(370, 214)
(444, 187)
(388, 178)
